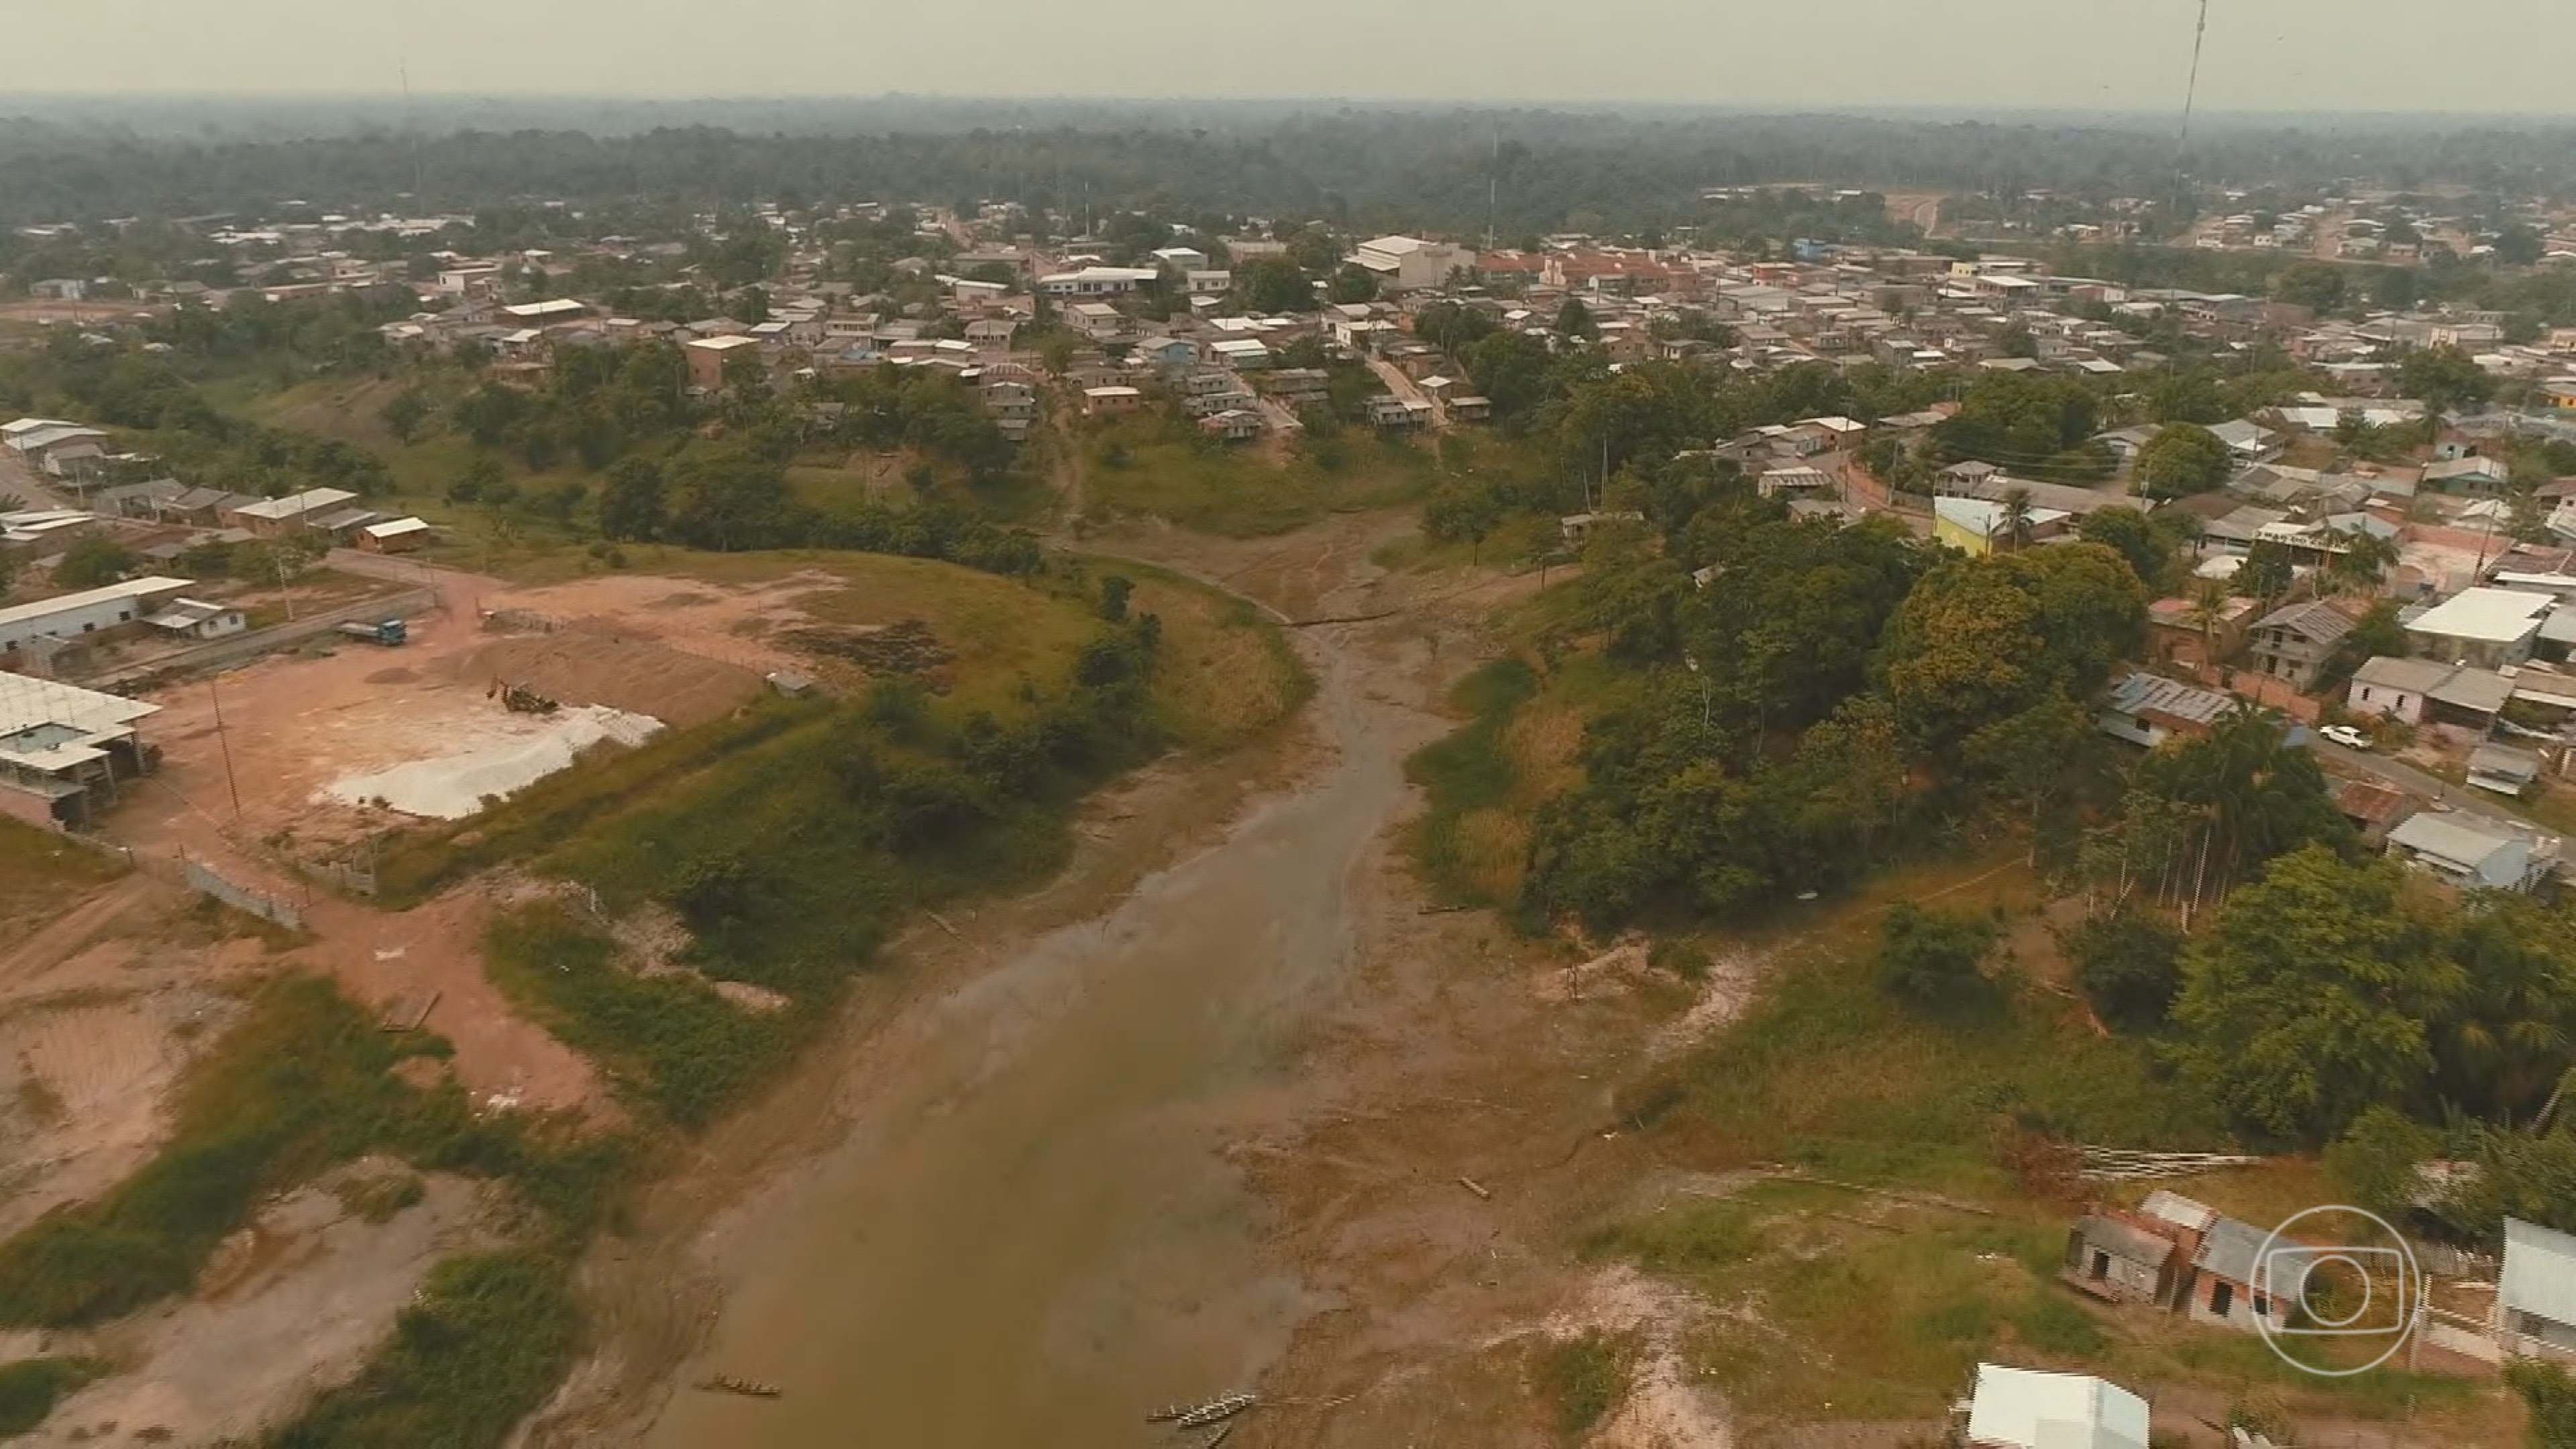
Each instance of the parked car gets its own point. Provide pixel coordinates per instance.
(2346, 736)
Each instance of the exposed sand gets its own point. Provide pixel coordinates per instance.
(292, 1305)
(492, 758)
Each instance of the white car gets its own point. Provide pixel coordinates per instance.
(2346, 736)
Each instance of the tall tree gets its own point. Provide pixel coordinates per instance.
(2305, 1004)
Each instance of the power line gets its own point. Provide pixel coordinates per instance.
(2190, 94)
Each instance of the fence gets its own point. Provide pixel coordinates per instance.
(243, 646)
(202, 878)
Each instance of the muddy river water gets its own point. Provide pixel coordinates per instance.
(1026, 1233)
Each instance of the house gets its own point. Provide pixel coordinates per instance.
(1802, 481)
(2471, 856)
(2016, 1408)
(2468, 477)
(1979, 526)
(2374, 809)
(1096, 320)
(1167, 354)
(2487, 627)
(2536, 1294)
(2177, 631)
(35, 630)
(2248, 443)
(2147, 709)
(394, 535)
(2294, 643)
(1182, 259)
(269, 517)
(64, 750)
(1098, 281)
(1297, 386)
(992, 333)
(2226, 1290)
(1410, 264)
(2394, 688)
(708, 356)
(1097, 401)
(1234, 425)
(2503, 769)
(2119, 1261)
(1244, 354)
(1576, 528)
(1389, 411)
(197, 619)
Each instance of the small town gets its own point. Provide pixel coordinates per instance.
(1257, 773)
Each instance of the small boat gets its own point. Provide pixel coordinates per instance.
(1167, 1414)
(1215, 1410)
(750, 1388)
(1220, 1436)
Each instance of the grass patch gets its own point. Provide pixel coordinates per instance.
(1583, 1379)
(30, 1388)
(1849, 1316)
(1828, 1071)
(1468, 779)
(304, 1081)
(670, 1040)
(1225, 673)
(483, 1345)
(1146, 465)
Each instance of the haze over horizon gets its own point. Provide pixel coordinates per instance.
(2486, 57)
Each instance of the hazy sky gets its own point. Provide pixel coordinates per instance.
(2459, 55)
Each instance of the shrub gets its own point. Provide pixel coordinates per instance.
(30, 1388)
(2128, 964)
(1930, 959)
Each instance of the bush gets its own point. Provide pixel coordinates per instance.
(1930, 959)
(2551, 1396)
(30, 1388)
(482, 1346)
(2128, 964)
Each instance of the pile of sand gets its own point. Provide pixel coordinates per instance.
(518, 751)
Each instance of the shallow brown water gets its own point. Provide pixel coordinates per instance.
(1026, 1235)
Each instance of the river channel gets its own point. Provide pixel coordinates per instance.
(1027, 1233)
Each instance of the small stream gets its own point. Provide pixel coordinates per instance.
(1027, 1236)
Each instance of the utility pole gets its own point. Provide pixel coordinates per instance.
(224, 742)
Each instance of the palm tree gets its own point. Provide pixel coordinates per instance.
(2015, 527)
(2209, 601)
(2365, 560)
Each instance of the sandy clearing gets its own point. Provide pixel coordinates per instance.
(492, 758)
(304, 1295)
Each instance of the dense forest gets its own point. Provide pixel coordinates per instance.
(1546, 169)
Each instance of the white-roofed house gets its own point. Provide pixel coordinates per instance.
(1408, 264)
(2490, 628)
(269, 517)
(64, 750)
(2015, 1408)
(2536, 1296)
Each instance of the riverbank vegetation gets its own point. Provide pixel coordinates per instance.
(1866, 773)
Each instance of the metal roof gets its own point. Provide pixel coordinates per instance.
(2539, 1271)
(2489, 615)
(2413, 676)
(2125, 1239)
(2445, 838)
(2028, 1409)
(48, 725)
(43, 609)
(2149, 693)
(2229, 1249)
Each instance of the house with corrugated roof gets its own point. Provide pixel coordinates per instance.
(2536, 1297)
